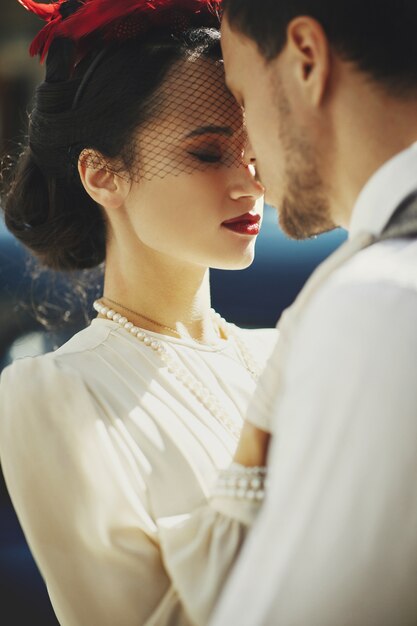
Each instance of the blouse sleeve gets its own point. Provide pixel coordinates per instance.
(83, 504)
(88, 530)
(201, 547)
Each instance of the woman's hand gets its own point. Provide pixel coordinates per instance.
(253, 445)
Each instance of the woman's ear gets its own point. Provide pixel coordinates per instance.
(106, 187)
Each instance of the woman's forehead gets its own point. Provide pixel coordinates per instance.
(195, 95)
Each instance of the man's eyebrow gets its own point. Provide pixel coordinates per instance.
(211, 130)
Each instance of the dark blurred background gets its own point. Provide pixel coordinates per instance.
(254, 297)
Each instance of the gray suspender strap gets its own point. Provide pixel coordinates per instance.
(403, 223)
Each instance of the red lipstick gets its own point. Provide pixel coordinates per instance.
(247, 224)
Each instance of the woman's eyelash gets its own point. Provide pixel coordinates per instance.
(207, 157)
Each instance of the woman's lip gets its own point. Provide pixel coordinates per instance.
(247, 218)
(244, 227)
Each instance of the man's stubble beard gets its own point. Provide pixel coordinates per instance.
(304, 210)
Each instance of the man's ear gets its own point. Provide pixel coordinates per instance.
(106, 187)
(309, 52)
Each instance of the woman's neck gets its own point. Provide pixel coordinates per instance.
(161, 295)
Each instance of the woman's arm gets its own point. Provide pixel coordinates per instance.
(253, 446)
(84, 515)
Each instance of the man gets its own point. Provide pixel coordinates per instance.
(329, 91)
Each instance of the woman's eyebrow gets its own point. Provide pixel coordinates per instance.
(211, 130)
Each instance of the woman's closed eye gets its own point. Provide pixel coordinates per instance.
(206, 157)
(207, 151)
(225, 151)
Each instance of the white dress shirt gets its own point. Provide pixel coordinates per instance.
(336, 541)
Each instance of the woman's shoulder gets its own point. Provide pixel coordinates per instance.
(27, 373)
(101, 365)
(69, 358)
(48, 374)
(261, 336)
(42, 399)
(39, 384)
(89, 338)
(260, 341)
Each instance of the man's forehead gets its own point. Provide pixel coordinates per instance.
(236, 49)
(226, 41)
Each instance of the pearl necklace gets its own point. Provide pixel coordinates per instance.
(200, 392)
(174, 331)
(148, 319)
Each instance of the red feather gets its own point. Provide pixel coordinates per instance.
(99, 15)
(45, 11)
(40, 45)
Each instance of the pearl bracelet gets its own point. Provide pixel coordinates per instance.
(241, 483)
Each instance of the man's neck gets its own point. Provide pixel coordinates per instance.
(373, 129)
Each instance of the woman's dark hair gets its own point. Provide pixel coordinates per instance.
(378, 36)
(46, 206)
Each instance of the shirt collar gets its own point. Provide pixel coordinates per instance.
(384, 192)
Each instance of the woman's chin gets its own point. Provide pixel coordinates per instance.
(238, 263)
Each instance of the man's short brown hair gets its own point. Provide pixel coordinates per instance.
(379, 36)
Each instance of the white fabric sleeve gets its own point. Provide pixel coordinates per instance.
(84, 508)
(267, 351)
(200, 548)
(336, 540)
(68, 488)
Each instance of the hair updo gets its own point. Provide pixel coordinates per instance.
(45, 206)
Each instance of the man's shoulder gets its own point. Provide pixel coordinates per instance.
(370, 300)
(390, 263)
(375, 283)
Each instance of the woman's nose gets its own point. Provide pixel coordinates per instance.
(246, 183)
(249, 159)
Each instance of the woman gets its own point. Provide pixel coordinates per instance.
(119, 454)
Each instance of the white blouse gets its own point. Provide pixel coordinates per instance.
(110, 460)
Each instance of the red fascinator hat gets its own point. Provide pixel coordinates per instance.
(113, 19)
